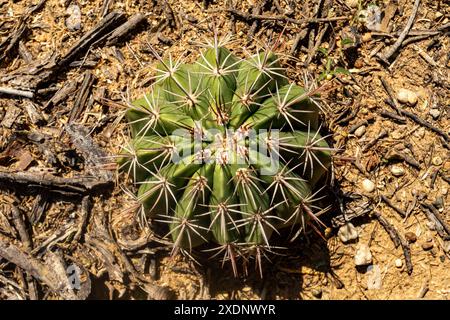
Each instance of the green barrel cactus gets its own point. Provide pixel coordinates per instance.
(226, 151)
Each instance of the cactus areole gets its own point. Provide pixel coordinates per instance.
(226, 151)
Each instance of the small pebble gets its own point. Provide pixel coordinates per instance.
(397, 171)
(352, 3)
(427, 246)
(368, 185)
(410, 237)
(347, 232)
(398, 263)
(374, 279)
(435, 113)
(360, 131)
(366, 37)
(407, 96)
(73, 21)
(371, 17)
(437, 161)
(317, 292)
(363, 256)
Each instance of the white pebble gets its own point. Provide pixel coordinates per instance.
(360, 131)
(368, 185)
(347, 232)
(363, 256)
(73, 21)
(407, 96)
(397, 171)
(398, 263)
(435, 113)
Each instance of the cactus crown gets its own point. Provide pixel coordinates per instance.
(226, 151)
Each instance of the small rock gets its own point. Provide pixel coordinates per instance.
(360, 131)
(398, 263)
(73, 21)
(347, 232)
(352, 3)
(374, 280)
(366, 37)
(410, 237)
(427, 246)
(437, 161)
(438, 14)
(371, 17)
(435, 113)
(407, 96)
(397, 171)
(368, 185)
(317, 292)
(363, 256)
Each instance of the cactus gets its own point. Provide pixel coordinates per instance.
(226, 151)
